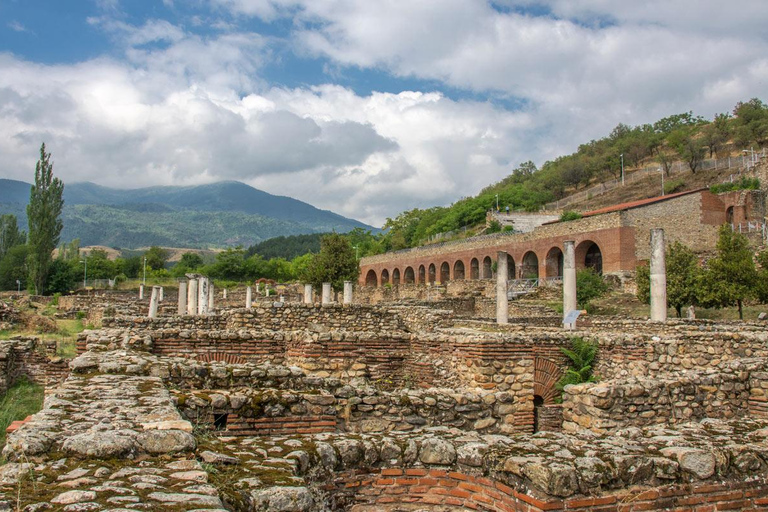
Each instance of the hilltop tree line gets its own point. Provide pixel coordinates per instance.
(683, 137)
(729, 279)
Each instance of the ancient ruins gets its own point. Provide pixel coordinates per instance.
(208, 400)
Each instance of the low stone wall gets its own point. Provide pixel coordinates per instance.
(24, 356)
(678, 398)
(276, 316)
(348, 408)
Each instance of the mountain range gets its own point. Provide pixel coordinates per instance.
(227, 213)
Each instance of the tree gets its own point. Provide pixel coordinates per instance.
(731, 277)
(189, 262)
(44, 215)
(156, 257)
(10, 236)
(335, 263)
(688, 146)
(14, 266)
(682, 277)
(70, 251)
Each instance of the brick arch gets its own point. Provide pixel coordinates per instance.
(474, 269)
(221, 356)
(445, 272)
(396, 276)
(408, 276)
(371, 279)
(546, 373)
(589, 254)
(422, 276)
(487, 268)
(458, 270)
(554, 262)
(432, 273)
(384, 276)
(530, 265)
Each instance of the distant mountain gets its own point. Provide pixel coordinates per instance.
(220, 214)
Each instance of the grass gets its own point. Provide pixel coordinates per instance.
(21, 400)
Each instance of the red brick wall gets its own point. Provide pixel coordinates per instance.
(280, 425)
(449, 488)
(616, 245)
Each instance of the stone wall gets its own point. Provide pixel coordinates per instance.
(676, 398)
(275, 316)
(26, 356)
(349, 408)
(691, 219)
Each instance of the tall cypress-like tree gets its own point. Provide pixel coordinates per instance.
(10, 236)
(44, 215)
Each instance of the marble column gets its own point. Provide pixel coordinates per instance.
(182, 298)
(658, 276)
(502, 302)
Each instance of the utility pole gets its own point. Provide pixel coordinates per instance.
(144, 282)
(85, 271)
(622, 169)
(661, 169)
(497, 202)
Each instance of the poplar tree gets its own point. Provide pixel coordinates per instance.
(10, 236)
(44, 215)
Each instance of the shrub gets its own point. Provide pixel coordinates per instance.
(569, 215)
(581, 358)
(673, 186)
(743, 184)
(589, 286)
(493, 227)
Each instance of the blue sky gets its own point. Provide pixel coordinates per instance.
(364, 108)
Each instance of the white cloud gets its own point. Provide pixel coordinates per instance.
(184, 108)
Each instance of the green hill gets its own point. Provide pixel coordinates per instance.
(215, 215)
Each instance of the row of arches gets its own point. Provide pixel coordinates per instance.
(588, 255)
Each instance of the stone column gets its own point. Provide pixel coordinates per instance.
(569, 277)
(281, 298)
(326, 293)
(160, 295)
(202, 296)
(347, 292)
(192, 295)
(258, 287)
(153, 302)
(658, 276)
(502, 302)
(211, 300)
(307, 294)
(248, 298)
(182, 298)
(266, 289)
(141, 292)
(224, 294)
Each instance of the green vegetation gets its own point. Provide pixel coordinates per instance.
(728, 279)
(287, 247)
(683, 278)
(493, 227)
(581, 358)
(44, 217)
(335, 263)
(677, 137)
(672, 186)
(21, 400)
(589, 286)
(743, 184)
(569, 215)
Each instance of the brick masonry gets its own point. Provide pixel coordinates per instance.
(622, 237)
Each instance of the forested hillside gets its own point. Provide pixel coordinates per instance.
(685, 137)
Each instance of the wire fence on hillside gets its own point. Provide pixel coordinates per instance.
(740, 163)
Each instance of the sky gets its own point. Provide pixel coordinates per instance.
(363, 107)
